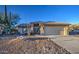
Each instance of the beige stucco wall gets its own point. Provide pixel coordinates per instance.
(64, 32)
(41, 28)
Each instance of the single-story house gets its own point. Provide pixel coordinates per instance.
(49, 28)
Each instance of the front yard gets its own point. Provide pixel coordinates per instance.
(30, 46)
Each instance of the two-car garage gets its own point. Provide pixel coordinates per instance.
(53, 30)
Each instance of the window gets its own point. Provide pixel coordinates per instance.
(36, 30)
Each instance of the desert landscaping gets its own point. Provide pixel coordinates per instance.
(29, 46)
(37, 44)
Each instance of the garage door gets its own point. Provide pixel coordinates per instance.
(53, 30)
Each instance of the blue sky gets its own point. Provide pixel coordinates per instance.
(58, 13)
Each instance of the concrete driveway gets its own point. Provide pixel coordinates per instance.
(70, 43)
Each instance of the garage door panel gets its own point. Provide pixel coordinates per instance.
(53, 30)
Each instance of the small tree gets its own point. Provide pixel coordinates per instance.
(9, 20)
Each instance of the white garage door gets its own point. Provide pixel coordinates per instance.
(53, 30)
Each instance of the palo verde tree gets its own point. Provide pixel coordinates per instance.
(9, 20)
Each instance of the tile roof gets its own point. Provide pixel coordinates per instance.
(56, 23)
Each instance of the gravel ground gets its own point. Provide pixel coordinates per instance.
(29, 46)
